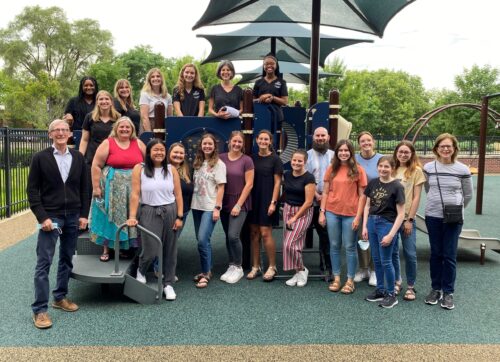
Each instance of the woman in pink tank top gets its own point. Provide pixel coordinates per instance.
(111, 186)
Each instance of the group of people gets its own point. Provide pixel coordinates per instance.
(91, 110)
(115, 178)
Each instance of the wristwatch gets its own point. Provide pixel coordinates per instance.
(321, 210)
(217, 207)
(410, 219)
(179, 217)
(274, 202)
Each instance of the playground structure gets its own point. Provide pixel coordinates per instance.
(294, 132)
(486, 113)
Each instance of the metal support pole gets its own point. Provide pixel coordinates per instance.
(333, 117)
(247, 120)
(6, 158)
(483, 250)
(482, 156)
(159, 121)
(315, 24)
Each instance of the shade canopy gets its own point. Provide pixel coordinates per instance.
(289, 42)
(367, 16)
(292, 73)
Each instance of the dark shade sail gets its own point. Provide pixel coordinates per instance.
(367, 16)
(292, 43)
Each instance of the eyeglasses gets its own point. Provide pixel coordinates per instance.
(442, 147)
(63, 130)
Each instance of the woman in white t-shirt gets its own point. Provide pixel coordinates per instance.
(154, 91)
(209, 179)
(158, 187)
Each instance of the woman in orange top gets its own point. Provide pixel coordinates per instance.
(342, 210)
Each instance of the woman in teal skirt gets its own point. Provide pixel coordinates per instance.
(111, 186)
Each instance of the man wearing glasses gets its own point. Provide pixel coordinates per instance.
(58, 196)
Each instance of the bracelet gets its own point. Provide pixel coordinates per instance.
(238, 207)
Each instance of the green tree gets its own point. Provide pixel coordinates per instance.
(471, 86)
(382, 101)
(138, 61)
(40, 46)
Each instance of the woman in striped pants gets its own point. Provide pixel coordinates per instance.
(299, 187)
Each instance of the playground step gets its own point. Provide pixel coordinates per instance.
(89, 268)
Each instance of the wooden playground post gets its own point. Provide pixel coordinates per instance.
(159, 121)
(333, 116)
(247, 120)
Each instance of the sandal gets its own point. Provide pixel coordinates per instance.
(334, 286)
(203, 282)
(270, 274)
(397, 287)
(348, 288)
(197, 277)
(410, 294)
(104, 257)
(253, 273)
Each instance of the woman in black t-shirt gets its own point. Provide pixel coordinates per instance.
(124, 102)
(383, 215)
(299, 187)
(271, 89)
(225, 94)
(189, 93)
(78, 107)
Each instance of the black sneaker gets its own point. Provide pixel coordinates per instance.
(447, 301)
(389, 301)
(433, 297)
(376, 296)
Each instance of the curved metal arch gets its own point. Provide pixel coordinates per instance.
(426, 117)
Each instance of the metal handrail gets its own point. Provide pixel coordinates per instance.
(117, 271)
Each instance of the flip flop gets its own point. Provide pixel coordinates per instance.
(104, 258)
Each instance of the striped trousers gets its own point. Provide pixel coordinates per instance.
(293, 240)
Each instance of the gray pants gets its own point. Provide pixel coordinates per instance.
(232, 227)
(159, 220)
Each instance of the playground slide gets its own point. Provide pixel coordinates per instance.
(469, 238)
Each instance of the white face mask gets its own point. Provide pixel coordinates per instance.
(364, 244)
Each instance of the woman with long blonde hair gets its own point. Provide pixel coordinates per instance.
(209, 180)
(154, 90)
(189, 93)
(409, 173)
(124, 101)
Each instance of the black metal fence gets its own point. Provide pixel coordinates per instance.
(468, 145)
(18, 145)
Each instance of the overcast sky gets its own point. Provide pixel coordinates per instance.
(434, 39)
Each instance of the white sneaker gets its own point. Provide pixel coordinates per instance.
(169, 293)
(228, 272)
(361, 274)
(140, 278)
(235, 276)
(373, 279)
(302, 277)
(293, 281)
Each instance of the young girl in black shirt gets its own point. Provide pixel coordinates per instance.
(383, 215)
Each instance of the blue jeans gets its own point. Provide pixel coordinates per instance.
(410, 252)
(45, 249)
(204, 226)
(443, 239)
(378, 227)
(340, 232)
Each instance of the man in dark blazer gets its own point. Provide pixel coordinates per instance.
(58, 196)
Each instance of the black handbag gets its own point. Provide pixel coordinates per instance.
(452, 214)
